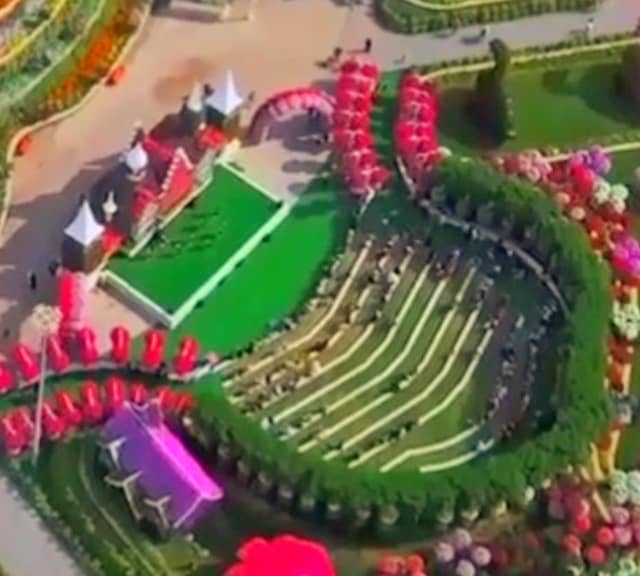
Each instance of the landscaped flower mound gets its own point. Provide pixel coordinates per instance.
(415, 134)
(353, 141)
(283, 556)
(591, 535)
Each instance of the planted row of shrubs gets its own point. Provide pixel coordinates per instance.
(402, 499)
(402, 16)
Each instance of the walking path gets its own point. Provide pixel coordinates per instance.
(267, 54)
(26, 547)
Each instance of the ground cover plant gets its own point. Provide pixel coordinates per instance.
(197, 243)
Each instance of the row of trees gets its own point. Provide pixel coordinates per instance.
(404, 497)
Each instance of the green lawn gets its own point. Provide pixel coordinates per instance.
(277, 277)
(198, 242)
(564, 107)
(623, 166)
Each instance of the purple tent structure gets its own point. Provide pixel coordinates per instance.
(161, 481)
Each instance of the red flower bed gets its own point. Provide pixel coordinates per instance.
(415, 135)
(283, 556)
(353, 142)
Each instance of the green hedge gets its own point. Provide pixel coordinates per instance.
(416, 498)
(401, 16)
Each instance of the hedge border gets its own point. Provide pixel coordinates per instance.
(78, 44)
(389, 13)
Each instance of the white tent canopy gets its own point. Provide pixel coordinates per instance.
(225, 98)
(84, 229)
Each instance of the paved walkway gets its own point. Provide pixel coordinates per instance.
(27, 548)
(272, 52)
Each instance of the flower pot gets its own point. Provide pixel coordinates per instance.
(389, 515)
(265, 483)
(244, 472)
(307, 503)
(334, 511)
(285, 495)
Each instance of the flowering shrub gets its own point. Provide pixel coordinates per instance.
(283, 556)
(95, 63)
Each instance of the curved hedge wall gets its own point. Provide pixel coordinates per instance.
(406, 498)
(408, 18)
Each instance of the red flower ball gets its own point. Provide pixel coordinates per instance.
(596, 555)
(572, 544)
(605, 536)
(582, 524)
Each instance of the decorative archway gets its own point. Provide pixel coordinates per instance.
(286, 103)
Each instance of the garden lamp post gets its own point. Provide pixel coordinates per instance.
(47, 318)
(109, 207)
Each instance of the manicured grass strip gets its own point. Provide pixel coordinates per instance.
(362, 341)
(276, 278)
(368, 340)
(309, 335)
(422, 355)
(388, 368)
(361, 364)
(461, 438)
(199, 241)
(390, 417)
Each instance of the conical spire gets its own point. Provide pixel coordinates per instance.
(84, 229)
(225, 98)
(136, 158)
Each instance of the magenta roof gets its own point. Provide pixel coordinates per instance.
(165, 467)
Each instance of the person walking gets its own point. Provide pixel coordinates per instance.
(368, 45)
(33, 281)
(590, 28)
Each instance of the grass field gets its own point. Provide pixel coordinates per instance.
(277, 277)
(563, 107)
(198, 242)
(624, 165)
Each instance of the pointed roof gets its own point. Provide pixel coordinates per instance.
(136, 158)
(166, 467)
(225, 97)
(84, 229)
(194, 102)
